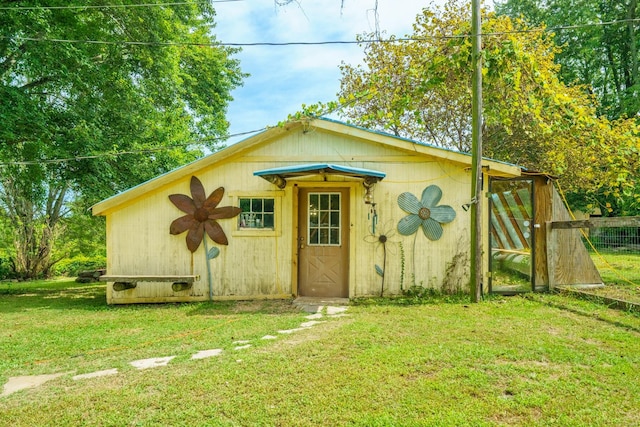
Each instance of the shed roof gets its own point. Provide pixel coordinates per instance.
(491, 167)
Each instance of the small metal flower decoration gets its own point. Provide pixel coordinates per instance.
(202, 214)
(425, 213)
(382, 239)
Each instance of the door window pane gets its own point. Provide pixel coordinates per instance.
(324, 219)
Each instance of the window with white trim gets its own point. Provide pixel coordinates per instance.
(257, 213)
(324, 219)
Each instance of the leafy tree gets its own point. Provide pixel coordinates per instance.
(602, 56)
(420, 88)
(80, 83)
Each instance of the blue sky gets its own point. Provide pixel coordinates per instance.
(285, 77)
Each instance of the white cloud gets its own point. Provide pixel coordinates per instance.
(285, 77)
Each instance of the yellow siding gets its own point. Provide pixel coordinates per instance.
(263, 264)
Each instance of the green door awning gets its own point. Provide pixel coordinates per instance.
(278, 176)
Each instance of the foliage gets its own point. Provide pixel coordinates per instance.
(70, 267)
(601, 57)
(146, 81)
(6, 269)
(420, 89)
(82, 234)
(604, 57)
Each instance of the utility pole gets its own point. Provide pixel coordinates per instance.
(476, 154)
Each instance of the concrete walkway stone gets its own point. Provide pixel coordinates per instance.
(20, 383)
(154, 362)
(310, 323)
(207, 353)
(96, 374)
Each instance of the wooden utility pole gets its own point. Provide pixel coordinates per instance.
(476, 154)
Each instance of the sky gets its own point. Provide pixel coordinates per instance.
(283, 78)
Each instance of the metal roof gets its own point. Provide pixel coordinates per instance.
(278, 176)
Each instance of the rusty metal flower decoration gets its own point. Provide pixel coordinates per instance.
(202, 215)
(425, 213)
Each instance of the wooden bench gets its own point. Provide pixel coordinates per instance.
(122, 282)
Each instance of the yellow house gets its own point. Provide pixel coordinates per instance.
(315, 208)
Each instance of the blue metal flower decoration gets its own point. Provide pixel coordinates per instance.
(425, 213)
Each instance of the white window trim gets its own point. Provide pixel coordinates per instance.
(340, 213)
(277, 211)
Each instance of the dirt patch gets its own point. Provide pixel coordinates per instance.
(264, 306)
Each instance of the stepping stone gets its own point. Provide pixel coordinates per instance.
(269, 337)
(207, 353)
(290, 331)
(20, 383)
(242, 347)
(314, 316)
(96, 374)
(335, 310)
(241, 342)
(310, 323)
(152, 363)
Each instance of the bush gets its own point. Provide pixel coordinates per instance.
(72, 266)
(6, 270)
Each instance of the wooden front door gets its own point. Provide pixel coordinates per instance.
(323, 242)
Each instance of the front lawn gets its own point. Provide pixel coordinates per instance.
(531, 360)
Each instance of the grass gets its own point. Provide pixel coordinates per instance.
(620, 272)
(534, 360)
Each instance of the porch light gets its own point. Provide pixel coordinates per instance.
(368, 191)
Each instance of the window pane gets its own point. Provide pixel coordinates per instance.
(335, 202)
(253, 213)
(335, 236)
(324, 219)
(335, 219)
(324, 202)
(268, 220)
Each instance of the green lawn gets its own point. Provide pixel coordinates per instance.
(620, 272)
(531, 360)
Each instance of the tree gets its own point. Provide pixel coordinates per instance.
(78, 84)
(420, 88)
(602, 56)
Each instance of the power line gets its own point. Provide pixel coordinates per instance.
(122, 153)
(215, 44)
(114, 6)
(321, 43)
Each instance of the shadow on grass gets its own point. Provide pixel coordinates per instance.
(420, 296)
(257, 307)
(68, 295)
(567, 303)
(55, 295)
